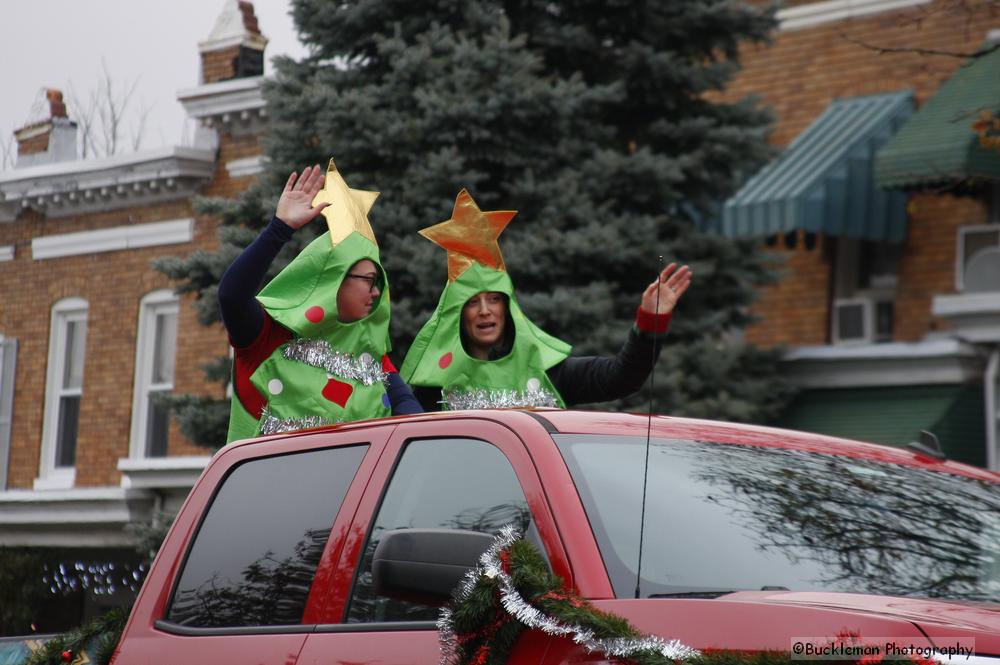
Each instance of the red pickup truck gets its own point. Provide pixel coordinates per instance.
(753, 538)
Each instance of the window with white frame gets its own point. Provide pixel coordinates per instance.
(8, 358)
(864, 291)
(156, 348)
(63, 392)
(977, 259)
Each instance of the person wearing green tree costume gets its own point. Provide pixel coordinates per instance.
(311, 348)
(479, 350)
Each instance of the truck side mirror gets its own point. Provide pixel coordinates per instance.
(425, 565)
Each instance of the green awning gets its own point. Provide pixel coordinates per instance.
(823, 182)
(938, 144)
(895, 415)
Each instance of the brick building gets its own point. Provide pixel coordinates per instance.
(882, 209)
(886, 303)
(90, 333)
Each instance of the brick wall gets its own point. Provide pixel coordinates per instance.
(36, 144)
(794, 310)
(804, 70)
(219, 65)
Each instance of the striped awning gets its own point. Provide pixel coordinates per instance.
(823, 183)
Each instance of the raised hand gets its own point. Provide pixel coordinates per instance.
(672, 284)
(295, 206)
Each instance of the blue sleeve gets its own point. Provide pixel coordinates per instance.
(241, 313)
(400, 396)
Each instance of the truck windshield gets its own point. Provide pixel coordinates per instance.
(723, 517)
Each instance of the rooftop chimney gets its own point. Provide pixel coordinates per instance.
(235, 48)
(48, 135)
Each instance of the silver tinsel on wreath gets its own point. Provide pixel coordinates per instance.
(364, 369)
(532, 617)
(482, 398)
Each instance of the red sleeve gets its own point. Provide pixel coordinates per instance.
(387, 365)
(249, 358)
(652, 323)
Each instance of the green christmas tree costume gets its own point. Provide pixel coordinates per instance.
(437, 357)
(330, 371)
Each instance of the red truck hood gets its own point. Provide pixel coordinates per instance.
(927, 613)
(771, 620)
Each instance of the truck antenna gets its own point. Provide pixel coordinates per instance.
(649, 429)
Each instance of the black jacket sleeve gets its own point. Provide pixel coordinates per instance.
(585, 379)
(242, 315)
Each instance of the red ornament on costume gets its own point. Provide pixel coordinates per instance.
(67, 656)
(315, 314)
(445, 360)
(338, 392)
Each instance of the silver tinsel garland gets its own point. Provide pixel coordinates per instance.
(364, 369)
(483, 398)
(532, 617)
(270, 424)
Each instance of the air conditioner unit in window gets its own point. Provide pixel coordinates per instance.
(862, 320)
(977, 263)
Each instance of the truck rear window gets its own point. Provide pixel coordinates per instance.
(256, 552)
(723, 518)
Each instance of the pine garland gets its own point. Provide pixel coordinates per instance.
(98, 639)
(512, 590)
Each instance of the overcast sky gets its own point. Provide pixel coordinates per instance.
(61, 44)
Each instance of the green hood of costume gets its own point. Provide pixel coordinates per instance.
(437, 357)
(303, 296)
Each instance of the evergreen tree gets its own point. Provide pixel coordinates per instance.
(598, 120)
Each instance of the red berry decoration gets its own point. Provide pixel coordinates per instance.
(67, 656)
(315, 314)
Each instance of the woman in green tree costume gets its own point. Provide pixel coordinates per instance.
(311, 348)
(479, 350)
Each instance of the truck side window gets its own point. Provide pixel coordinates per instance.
(439, 483)
(257, 550)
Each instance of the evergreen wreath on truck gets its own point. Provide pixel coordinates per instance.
(512, 590)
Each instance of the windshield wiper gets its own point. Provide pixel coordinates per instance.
(711, 593)
(692, 594)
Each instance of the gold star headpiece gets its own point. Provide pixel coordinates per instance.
(348, 209)
(470, 236)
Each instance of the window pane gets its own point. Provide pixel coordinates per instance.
(76, 333)
(256, 553)
(884, 316)
(165, 346)
(449, 483)
(723, 517)
(157, 426)
(69, 418)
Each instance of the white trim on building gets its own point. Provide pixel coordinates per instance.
(237, 105)
(179, 472)
(248, 166)
(63, 189)
(818, 13)
(932, 361)
(114, 239)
